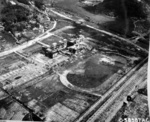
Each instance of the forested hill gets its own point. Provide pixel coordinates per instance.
(118, 8)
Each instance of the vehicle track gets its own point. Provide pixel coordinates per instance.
(90, 113)
(127, 86)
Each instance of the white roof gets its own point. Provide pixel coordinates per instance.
(54, 44)
(12, 2)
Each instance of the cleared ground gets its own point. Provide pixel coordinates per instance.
(48, 95)
(10, 63)
(92, 73)
(10, 109)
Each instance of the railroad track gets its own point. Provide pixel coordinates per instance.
(126, 86)
(94, 109)
(118, 105)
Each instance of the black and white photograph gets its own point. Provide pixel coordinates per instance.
(74, 60)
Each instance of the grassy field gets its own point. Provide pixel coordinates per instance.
(9, 63)
(92, 73)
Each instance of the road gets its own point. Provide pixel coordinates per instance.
(65, 82)
(25, 45)
(39, 38)
(48, 34)
(30, 42)
(109, 92)
(142, 75)
(122, 92)
(99, 30)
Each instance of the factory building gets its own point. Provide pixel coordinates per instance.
(70, 43)
(47, 52)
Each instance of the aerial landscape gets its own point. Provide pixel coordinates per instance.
(74, 60)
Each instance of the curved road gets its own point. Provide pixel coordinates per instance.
(65, 82)
(99, 30)
(126, 80)
(31, 42)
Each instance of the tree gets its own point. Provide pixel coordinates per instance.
(39, 4)
(126, 8)
(15, 13)
(121, 8)
(129, 98)
(24, 1)
(14, 18)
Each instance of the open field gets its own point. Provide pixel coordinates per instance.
(92, 73)
(49, 93)
(10, 63)
(10, 109)
(74, 73)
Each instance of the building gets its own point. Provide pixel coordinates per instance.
(70, 43)
(91, 2)
(72, 50)
(1, 28)
(47, 52)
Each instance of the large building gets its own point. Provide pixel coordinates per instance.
(47, 52)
